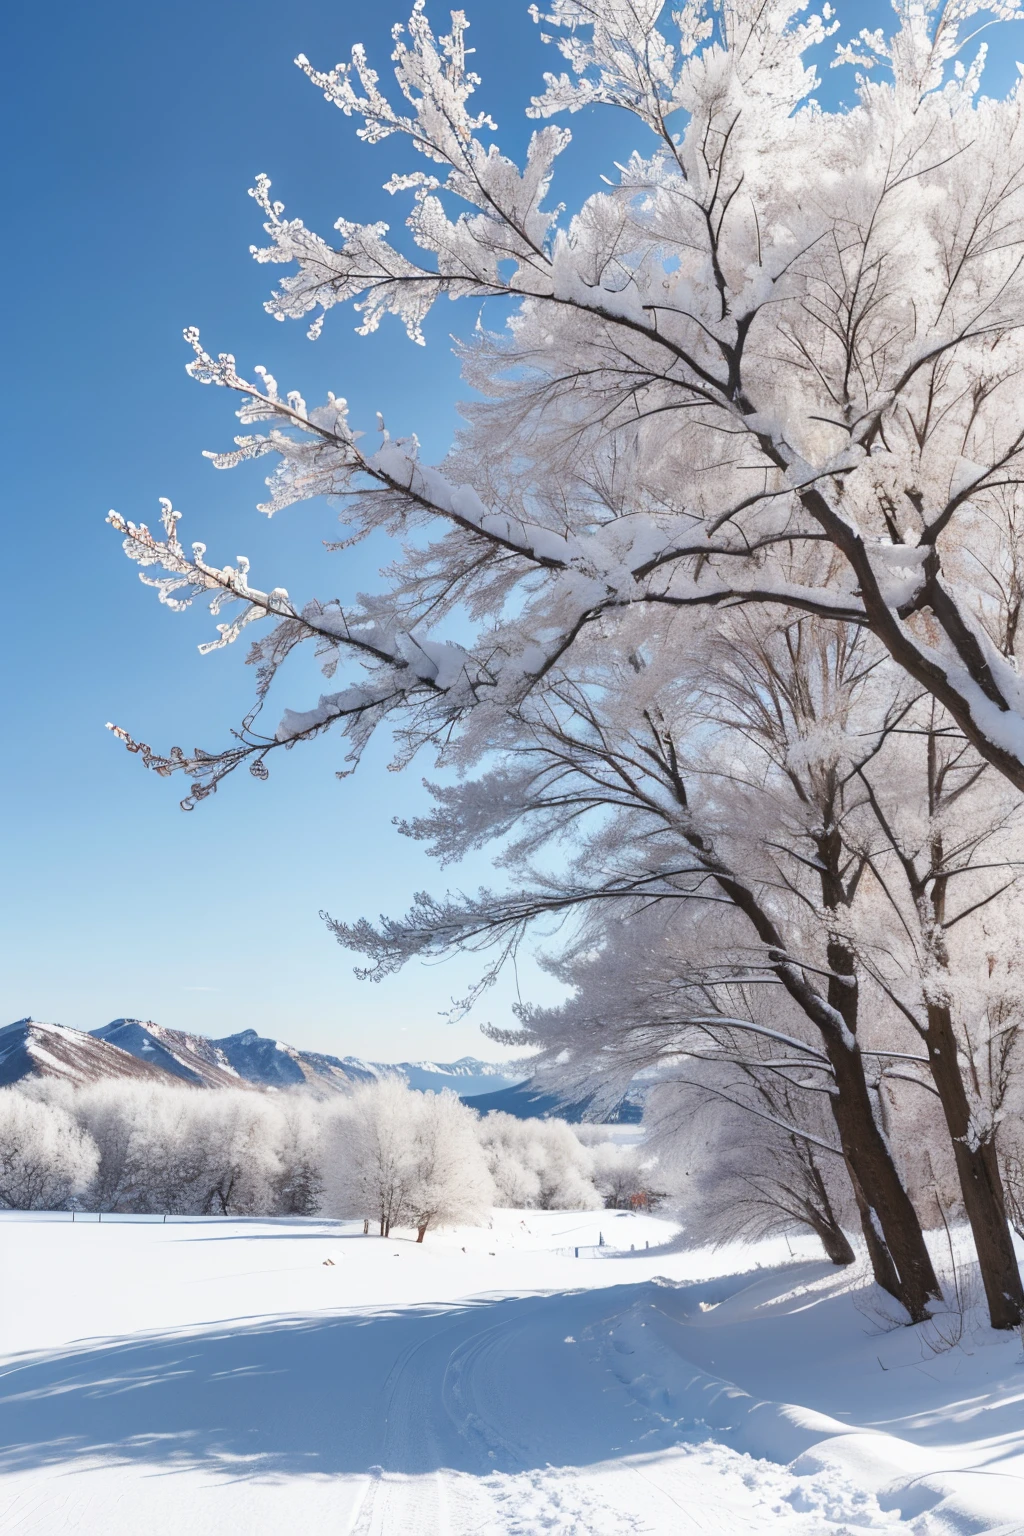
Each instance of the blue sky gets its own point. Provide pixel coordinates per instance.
(136, 132)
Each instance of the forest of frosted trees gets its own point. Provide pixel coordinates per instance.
(710, 620)
(383, 1153)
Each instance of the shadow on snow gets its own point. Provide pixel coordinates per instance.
(496, 1384)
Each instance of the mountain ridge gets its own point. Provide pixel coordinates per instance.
(145, 1050)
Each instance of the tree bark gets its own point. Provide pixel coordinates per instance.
(421, 1233)
(980, 1181)
(896, 1247)
(891, 1226)
(899, 1256)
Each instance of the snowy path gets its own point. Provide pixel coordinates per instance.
(537, 1434)
(238, 1382)
(480, 1419)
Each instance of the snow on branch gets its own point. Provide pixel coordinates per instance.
(705, 377)
(929, 37)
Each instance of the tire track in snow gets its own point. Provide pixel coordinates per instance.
(401, 1502)
(474, 1409)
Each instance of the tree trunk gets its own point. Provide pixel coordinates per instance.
(822, 1218)
(980, 1181)
(891, 1227)
(899, 1256)
(835, 1242)
(882, 1266)
(382, 1225)
(421, 1233)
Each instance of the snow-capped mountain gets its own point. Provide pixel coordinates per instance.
(258, 1060)
(33, 1049)
(530, 1100)
(273, 1064)
(142, 1049)
(192, 1058)
(466, 1076)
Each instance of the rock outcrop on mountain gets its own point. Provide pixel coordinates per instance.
(273, 1064)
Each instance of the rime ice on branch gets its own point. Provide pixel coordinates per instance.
(794, 326)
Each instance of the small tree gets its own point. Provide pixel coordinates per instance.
(299, 1185)
(624, 1176)
(241, 1135)
(370, 1154)
(450, 1182)
(116, 1116)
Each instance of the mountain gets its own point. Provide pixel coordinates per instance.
(251, 1059)
(273, 1064)
(528, 1102)
(146, 1051)
(32, 1049)
(192, 1058)
(466, 1076)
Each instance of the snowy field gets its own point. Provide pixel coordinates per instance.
(294, 1376)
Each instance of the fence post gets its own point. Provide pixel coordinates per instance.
(577, 1253)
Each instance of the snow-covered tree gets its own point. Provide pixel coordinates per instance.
(946, 851)
(641, 770)
(451, 1183)
(188, 1151)
(45, 1158)
(623, 1175)
(736, 1174)
(404, 1158)
(779, 327)
(772, 367)
(538, 1164)
(370, 1154)
(514, 1160)
(298, 1181)
(240, 1135)
(116, 1116)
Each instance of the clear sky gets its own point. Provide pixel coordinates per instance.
(133, 132)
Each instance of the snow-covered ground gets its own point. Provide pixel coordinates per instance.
(267, 1377)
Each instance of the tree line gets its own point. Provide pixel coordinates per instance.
(383, 1153)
